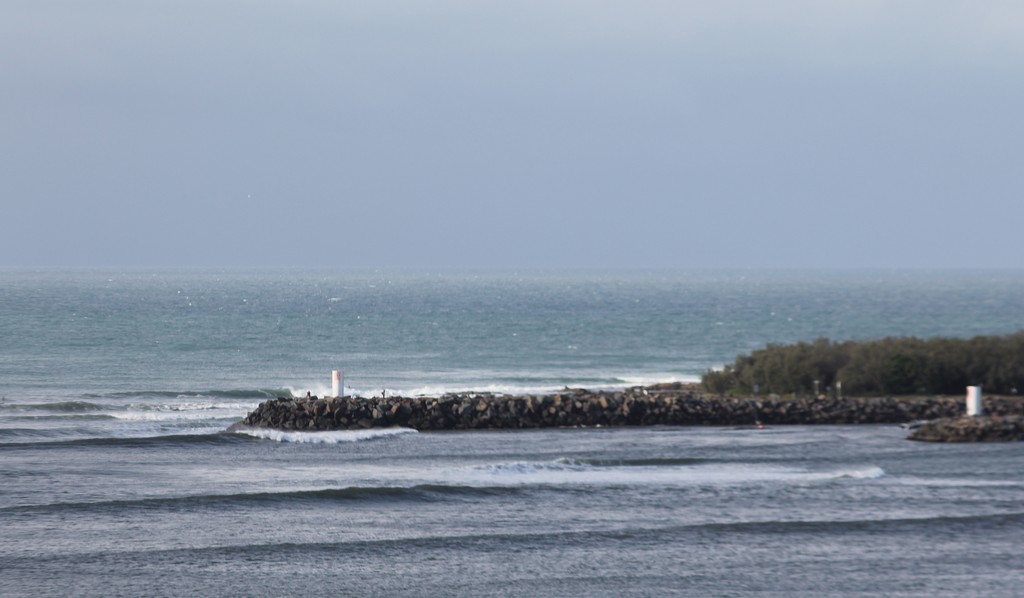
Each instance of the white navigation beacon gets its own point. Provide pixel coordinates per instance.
(974, 401)
(337, 383)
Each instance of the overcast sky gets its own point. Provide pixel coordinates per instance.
(524, 134)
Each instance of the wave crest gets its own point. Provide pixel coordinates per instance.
(62, 406)
(338, 437)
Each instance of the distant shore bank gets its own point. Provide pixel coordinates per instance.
(674, 404)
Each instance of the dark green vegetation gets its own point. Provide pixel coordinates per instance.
(890, 366)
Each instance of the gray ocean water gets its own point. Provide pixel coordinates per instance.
(119, 479)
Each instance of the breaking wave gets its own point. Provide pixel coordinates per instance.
(337, 437)
(667, 472)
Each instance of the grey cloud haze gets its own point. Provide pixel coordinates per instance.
(527, 134)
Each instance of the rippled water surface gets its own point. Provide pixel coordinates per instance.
(800, 510)
(119, 478)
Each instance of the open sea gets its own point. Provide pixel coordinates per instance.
(118, 477)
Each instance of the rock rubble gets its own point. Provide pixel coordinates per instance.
(672, 404)
(971, 429)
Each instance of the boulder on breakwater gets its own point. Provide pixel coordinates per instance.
(665, 404)
(971, 429)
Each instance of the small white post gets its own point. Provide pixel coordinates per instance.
(337, 382)
(974, 401)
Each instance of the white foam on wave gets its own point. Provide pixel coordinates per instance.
(338, 437)
(190, 404)
(483, 381)
(652, 379)
(438, 390)
(524, 468)
(954, 482)
(318, 389)
(568, 471)
(184, 411)
(868, 473)
(519, 389)
(201, 406)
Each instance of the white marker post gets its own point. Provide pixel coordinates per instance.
(974, 408)
(337, 383)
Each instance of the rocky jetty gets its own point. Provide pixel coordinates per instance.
(971, 429)
(669, 404)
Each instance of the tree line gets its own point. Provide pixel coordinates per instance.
(889, 366)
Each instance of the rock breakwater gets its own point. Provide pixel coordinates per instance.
(971, 429)
(673, 405)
